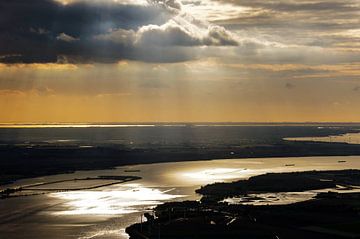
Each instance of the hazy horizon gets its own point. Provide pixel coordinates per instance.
(180, 123)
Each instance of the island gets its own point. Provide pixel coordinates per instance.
(329, 214)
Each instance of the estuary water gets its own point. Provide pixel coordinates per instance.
(106, 212)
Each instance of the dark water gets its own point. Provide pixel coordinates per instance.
(156, 136)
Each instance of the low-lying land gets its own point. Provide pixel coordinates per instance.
(36, 152)
(17, 162)
(281, 182)
(328, 215)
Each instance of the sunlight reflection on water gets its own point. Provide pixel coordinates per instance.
(211, 174)
(117, 233)
(124, 201)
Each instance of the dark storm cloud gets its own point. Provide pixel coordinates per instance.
(41, 31)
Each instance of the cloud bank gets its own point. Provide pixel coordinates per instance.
(48, 31)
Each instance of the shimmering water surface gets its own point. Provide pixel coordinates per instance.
(106, 212)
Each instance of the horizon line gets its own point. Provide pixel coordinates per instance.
(177, 122)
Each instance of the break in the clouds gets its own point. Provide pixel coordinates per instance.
(42, 31)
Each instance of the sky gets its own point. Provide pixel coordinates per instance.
(179, 61)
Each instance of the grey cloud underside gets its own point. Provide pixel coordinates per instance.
(301, 15)
(23, 21)
(41, 31)
(300, 5)
(310, 23)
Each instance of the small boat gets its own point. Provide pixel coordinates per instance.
(289, 165)
(341, 161)
(131, 170)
